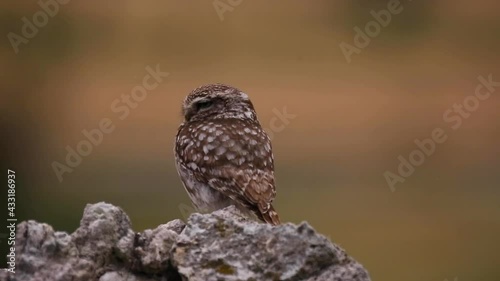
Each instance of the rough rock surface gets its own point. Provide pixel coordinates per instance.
(218, 246)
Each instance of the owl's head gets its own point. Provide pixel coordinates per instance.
(217, 101)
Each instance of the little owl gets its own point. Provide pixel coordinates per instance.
(222, 154)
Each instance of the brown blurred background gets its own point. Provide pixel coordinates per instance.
(352, 119)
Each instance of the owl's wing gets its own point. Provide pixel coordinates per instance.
(252, 188)
(259, 190)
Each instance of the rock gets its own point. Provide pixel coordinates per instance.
(219, 246)
(238, 249)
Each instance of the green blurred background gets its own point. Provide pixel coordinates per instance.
(352, 119)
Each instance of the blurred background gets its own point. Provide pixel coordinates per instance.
(352, 119)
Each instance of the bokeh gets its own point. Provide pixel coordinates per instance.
(353, 116)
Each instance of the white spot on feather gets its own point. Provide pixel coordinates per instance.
(248, 114)
(243, 95)
(220, 150)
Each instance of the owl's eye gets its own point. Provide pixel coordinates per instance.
(204, 104)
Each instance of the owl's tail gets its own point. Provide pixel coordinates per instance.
(271, 216)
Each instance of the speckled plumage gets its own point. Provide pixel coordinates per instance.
(223, 156)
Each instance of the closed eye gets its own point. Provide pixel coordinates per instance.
(203, 104)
